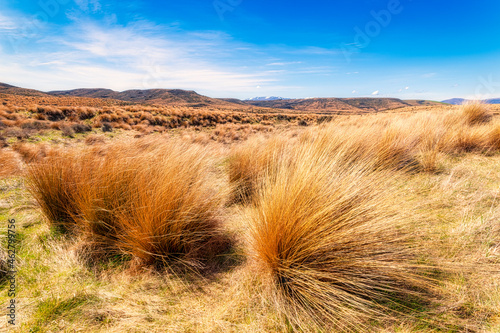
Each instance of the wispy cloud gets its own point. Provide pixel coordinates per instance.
(7, 24)
(139, 55)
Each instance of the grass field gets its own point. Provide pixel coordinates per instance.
(217, 221)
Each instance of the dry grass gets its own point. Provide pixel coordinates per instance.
(340, 222)
(331, 248)
(154, 202)
(249, 161)
(32, 116)
(10, 164)
(474, 113)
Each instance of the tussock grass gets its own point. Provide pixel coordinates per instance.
(53, 182)
(10, 164)
(332, 249)
(410, 142)
(332, 245)
(248, 163)
(154, 202)
(474, 113)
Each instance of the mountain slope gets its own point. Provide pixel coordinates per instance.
(13, 90)
(329, 105)
(269, 98)
(455, 101)
(151, 96)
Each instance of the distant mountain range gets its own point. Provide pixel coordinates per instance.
(178, 97)
(342, 105)
(270, 98)
(460, 101)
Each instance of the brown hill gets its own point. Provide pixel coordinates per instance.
(178, 97)
(150, 96)
(341, 105)
(13, 90)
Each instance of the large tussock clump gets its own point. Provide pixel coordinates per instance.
(322, 233)
(154, 201)
(475, 113)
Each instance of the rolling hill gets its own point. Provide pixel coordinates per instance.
(13, 90)
(150, 96)
(333, 105)
(178, 97)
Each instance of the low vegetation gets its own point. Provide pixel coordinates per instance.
(371, 223)
(334, 251)
(153, 201)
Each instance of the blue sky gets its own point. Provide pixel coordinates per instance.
(245, 48)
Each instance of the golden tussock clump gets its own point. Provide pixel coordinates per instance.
(323, 234)
(475, 113)
(154, 201)
(249, 161)
(10, 163)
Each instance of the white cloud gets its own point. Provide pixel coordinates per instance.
(7, 24)
(140, 55)
(375, 93)
(354, 91)
(144, 55)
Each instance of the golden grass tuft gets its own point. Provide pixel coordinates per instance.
(474, 113)
(249, 161)
(53, 182)
(494, 137)
(155, 202)
(325, 237)
(10, 163)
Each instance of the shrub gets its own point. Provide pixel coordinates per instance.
(86, 113)
(53, 114)
(106, 127)
(303, 122)
(67, 131)
(34, 125)
(3, 142)
(16, 132)
(81, 128)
